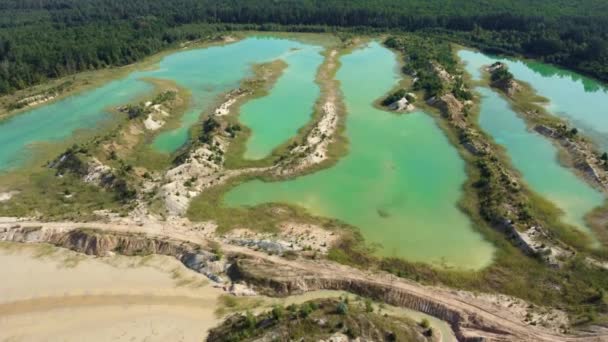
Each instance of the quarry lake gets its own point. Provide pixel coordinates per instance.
(205, 73)
(401, 180)
(574, 97)
(579, 99)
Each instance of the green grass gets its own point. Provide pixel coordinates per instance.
(44, 194)
(230, 304)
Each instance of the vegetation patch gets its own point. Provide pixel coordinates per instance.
(321, 319)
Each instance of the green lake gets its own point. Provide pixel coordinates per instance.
(579, 99)
(275, 118)
(60, 120)
(400, 182)
(206, 73)
(209, 72)
(536, 158)
(532, 154)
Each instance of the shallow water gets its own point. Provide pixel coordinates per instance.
(536, 158)
(59, 120)
(579, 99)
(400, 182)
(209, 72)
(206, 73)
(275, 118)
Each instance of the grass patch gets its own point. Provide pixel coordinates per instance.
(42, 193)
(231, 304)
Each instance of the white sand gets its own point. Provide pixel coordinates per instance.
(153, 125)
(53, 294)
(5, 196)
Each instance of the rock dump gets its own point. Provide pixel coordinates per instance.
(292, 237)
(401, 105)
(502, 79)
(450, 107)
(155, 119)
(588, 163)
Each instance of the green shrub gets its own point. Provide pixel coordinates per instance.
(278, 312)
(501, 74)
(394, 97)
(342, 308)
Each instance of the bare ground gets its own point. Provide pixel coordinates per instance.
(506, 321)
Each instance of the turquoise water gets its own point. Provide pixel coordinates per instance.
(209, 72)
(275, 118)
(574, 97)
(536, 158)
(399, 183)
(206, 73)
(59, 120)
(579, 99)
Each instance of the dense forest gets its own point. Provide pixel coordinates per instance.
(41, 39)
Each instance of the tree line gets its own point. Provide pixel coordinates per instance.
(41, 39)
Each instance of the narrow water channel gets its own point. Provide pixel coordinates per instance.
(533, 155)
(579, 99)
(275, 118)
(400, 182)
(536, 158)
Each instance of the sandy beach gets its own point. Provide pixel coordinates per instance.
(43, 295)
